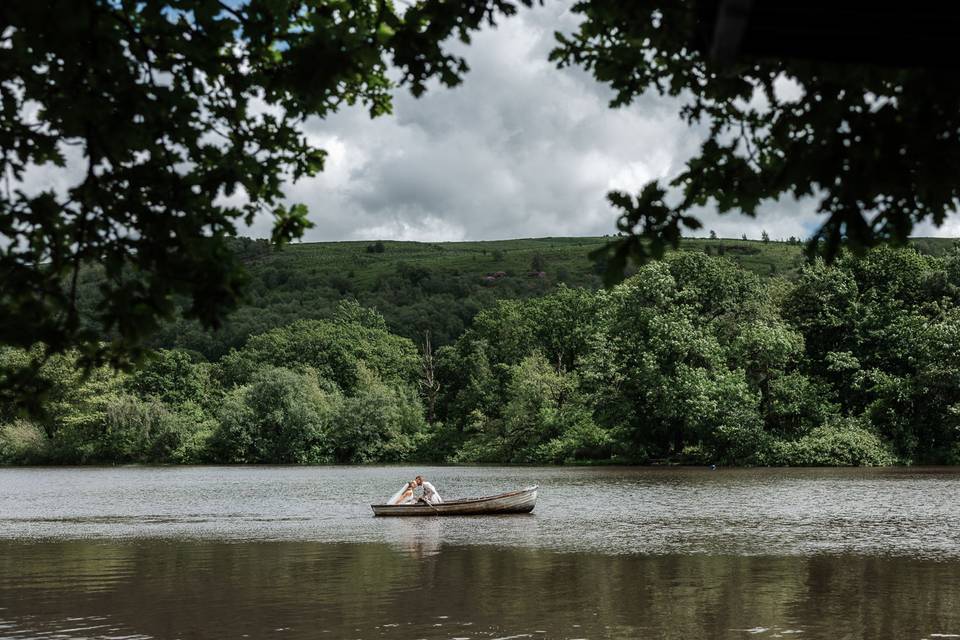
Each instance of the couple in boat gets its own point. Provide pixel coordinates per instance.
(407, 493)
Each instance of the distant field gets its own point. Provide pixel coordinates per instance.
(437, 286)
(566, 259)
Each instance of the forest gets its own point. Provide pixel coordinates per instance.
(693, 359)
(418, 286)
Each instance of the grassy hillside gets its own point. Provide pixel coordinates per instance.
(434, 286)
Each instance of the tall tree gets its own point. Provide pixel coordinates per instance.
(537, 262)
(173, 122)
(429, 385)
(182, 120)
(874, 145)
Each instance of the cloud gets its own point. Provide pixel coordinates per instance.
(520, 149)
(781, 219)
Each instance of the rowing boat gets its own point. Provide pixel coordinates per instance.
(521, 501)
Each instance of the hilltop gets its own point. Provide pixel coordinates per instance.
(436, 286)
(695, 359)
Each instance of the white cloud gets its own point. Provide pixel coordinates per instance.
(781, 219)
(520, 149)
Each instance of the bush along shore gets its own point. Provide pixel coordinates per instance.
(692, 359)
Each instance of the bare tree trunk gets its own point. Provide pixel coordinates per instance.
(429, 386)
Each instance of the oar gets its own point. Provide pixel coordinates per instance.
(424, 501)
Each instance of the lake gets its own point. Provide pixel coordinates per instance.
(294, 552)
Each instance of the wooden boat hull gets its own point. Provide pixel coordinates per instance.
(522, 501)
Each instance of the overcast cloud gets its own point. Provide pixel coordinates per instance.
(520, 149)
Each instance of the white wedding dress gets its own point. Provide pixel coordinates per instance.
(398, 498)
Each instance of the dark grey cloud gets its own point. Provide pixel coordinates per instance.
(520, 149)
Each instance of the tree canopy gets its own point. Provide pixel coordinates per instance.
(874, 146)
(691, 359)
(183, 119)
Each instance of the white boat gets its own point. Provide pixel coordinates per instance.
(522, 501)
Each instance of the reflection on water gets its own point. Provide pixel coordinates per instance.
(417, 538)
(233, 552)
(199, 589)
(907, 512)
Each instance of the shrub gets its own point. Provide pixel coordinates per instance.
(744, 250)
(845, 443)
(133, 429)
(23, 442)
(192, 443)
(954, 456)
(582, 439)
(379, 423)
(184, 436)
(280, 417)
(485, 442)
(130, 425)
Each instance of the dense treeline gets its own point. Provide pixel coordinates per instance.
(691, 359)
(417, 287)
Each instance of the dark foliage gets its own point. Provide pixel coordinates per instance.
(691, 359)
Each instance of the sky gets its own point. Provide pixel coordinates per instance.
(520, 149)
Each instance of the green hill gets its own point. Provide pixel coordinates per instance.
(695, 359)
(437, 287)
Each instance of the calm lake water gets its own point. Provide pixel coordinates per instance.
(294, 552)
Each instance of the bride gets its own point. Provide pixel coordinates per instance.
(405, 495)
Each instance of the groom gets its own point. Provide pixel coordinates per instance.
(430, 495)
